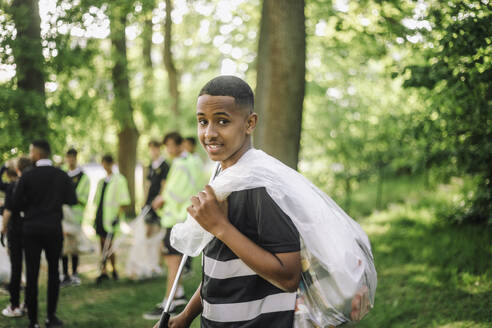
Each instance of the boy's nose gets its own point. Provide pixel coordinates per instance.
(210, 131)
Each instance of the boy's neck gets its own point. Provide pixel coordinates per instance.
(236, 156)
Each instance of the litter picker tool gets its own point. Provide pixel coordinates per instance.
(165, 314)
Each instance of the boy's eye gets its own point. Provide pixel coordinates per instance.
(223, 121)
(202, 122)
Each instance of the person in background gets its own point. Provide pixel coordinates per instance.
(173, 201)
(9, 171)
(111, 197)
(12, 228)
(156, 180)
(71, 239)
(40, 194)
(145, 252)
(189, 145)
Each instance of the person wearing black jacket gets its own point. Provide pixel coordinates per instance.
(40, 194)
(12, 228)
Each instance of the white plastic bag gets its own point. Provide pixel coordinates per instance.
(144, 254)
(77, 242)
(4, 261)
(338, 266)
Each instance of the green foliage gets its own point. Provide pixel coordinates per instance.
(458, 72)
(383, 99)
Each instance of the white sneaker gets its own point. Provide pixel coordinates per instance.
(180, 292)
(75, 280)
(12, 313)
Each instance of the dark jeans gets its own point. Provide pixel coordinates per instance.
(75, 264)
(15, 250)
(51, 241)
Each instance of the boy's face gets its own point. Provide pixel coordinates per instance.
(224, 129)
(188, 146)
(107, 166)
(71, 161)
(155, 152)
(173, 149)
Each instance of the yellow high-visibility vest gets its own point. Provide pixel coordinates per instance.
(115, 196)
(181, 184)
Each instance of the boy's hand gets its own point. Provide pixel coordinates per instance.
(158, 202)
(179, 321)
(208, 211)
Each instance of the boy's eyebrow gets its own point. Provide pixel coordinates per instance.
(215, 114)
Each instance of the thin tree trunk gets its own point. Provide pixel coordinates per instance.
(427, 165)
(348, 193)
(168, 59)
(122, 107)
(379, 192)
(280, 79)
(27, 50)
(147, 96)
(147, 34)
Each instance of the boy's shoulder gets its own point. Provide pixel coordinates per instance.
(253, 197)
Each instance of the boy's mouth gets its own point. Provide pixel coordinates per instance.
(214, 147)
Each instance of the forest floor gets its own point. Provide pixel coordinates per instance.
(430, 274)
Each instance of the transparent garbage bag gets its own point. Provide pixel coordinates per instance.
(4, 261)
(144, 255)
(77, 241)
(339, 279)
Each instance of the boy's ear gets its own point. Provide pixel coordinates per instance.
(252, 120)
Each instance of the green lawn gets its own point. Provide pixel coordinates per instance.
(430, 274)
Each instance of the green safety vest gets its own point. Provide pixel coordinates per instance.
(197, 168)
(82, 191)
(115, 196)
(182, 183)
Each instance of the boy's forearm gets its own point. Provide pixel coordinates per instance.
(194, 306)
(282, 270)
(6, 217)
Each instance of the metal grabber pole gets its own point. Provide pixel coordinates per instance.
(166, 315)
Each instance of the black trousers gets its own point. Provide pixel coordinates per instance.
(15, 250)
(51, 241)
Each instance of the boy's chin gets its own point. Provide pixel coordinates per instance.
(216, 157)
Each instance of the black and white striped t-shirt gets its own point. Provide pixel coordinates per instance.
(233, 295)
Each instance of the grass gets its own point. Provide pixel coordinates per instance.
(430, 274)
(113, 304)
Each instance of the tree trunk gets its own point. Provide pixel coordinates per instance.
(280, 79)
(348, 193)
(147, 96)
(148, 7)
(122, 107)
(379, 191)
(27, 50)
(168, 59)
(127, 160)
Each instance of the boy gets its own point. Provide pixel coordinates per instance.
(40, 194)
(156, 180)
(111, 197)
(252, 267)
(174, 200)
(70, 243)
(12, 227)
(195, 160)
(145, 253)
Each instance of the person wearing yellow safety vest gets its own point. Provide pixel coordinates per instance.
(181, 184)
(111, 197)
(72, 228)
(196, 161)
